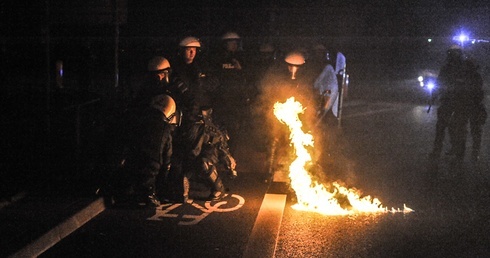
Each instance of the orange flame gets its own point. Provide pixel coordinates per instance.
(313, 196)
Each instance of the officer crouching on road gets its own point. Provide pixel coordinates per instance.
(148, 151)
(210, 149)
(144, 136)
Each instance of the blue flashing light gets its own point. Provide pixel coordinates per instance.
(461, 38)
(430, 85)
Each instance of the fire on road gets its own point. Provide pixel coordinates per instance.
(333, 199)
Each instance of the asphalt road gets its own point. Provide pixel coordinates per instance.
(381, 150)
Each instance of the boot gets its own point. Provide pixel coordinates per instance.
(218, 190)
(145, 200)
(145, 195)
(152, 201)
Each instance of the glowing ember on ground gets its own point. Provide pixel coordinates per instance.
(333, 199)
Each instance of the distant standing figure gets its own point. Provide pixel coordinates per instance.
(451, 82)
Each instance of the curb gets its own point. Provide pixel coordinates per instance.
(46, 241)
(8, 201)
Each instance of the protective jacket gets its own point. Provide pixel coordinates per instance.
(149, 147)
(200, 87)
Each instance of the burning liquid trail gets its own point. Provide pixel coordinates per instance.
(312, 196)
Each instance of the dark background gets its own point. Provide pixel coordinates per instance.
(83, 33)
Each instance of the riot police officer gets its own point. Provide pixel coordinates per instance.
(472, 110)
(144, 137)
(451, 83)
(209, 148)
(232, 96)
(328, 88)
(319, 58)
(159, 80)
(297, 78)
(148, 136)
(195, 75)
(195, 155)
(289, 80)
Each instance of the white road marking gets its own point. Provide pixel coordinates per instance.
(263, 239)
(163, 211)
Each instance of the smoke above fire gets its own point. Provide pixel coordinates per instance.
(328, 199)
(275, 86)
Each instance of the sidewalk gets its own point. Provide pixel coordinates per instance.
(34, 220)
(36, 223)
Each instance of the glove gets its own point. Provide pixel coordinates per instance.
(232, 173)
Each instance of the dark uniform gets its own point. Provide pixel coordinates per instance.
(207, 149)
(152, 87)
(149, 153)
(472, 110)
(286, 82)
(451, 83)
(200, 86)
(198, 145)
(147, 127)
(200, 89)
(232, 96)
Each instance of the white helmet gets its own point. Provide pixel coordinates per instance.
(166, 105)
(190, 42)
(295, 58)
(158, 63)
(230, 36)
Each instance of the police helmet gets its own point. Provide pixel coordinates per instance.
(166, 105)
(190, 42)
(230, 36)
(295, 58)
(158, 64)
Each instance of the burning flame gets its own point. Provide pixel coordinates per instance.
(313, 196)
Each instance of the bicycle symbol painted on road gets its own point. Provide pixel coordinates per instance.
(165, 211)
